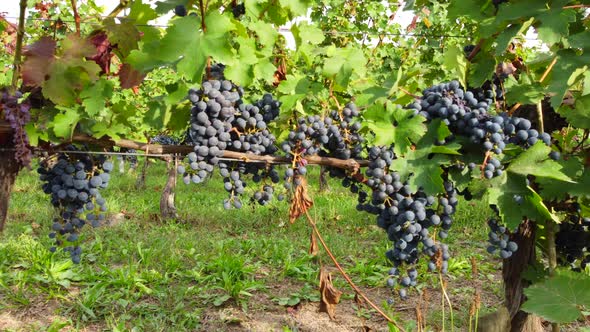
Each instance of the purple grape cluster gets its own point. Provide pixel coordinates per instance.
(74, 182)
(18, 115)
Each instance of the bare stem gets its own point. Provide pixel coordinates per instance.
(346, 277)
(19, 46)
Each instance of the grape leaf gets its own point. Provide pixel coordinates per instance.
(555, 189)
(566, 64)
(95, 95)
(535, 161)
(392, 124)
(421, 166)
(560, 297)
(129, 76)
(555, 23)
(307, 33)
(579, 115)
(65, 123)
(141, 13)
(455, 62)
(342, 62)
(502, 192)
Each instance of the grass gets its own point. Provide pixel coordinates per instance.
(144, 274)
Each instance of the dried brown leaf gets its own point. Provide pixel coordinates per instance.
(330, 296)
(314, 249)
(301, 201)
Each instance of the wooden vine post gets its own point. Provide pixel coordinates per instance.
(9, 166)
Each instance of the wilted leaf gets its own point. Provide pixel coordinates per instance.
(301, 201)
(313, 245)
(330, 295)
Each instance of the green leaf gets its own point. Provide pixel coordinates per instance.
(526, 94)
(502, 192)
(94, 96)
(296, 7)
(482, 69)
(468, 8)
(393, 125)
(579, 115)
(267, 34)
(560, 297)
(342, 62)
(554, 24)
(65, 123)
(566, 64)
(535, 161)
(125, 35)
(307, 33)
(421, 166)
(455, 62)
(141, 13)
(111, 130)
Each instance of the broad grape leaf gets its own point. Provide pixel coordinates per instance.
(526, 94)
(535, 161)
(482, 69)
(141, 13)
(560, 298)
(112, 130)
(342, 62)
(566, 64)
(555, 23)
(502, 192)
(307, 33)
(65, 123)
(455, 62)
(266, 33)
(555, 189)
(421, 165)
(296, 7)
(124, 36)
(39, 58)
(467, 8)
(579, 115)
(95, 95)
(394, 125)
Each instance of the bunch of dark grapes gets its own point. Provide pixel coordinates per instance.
(180, 10)
(499, 240)
(18, 115)
(269, 107)
(408, 217)
(74, 182)
(572, 241)
(214, 109)
(466, 114)
(238, 10)
(220, 122)
(164, 140)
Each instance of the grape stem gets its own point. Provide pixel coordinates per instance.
(346, 277)
(19, 46)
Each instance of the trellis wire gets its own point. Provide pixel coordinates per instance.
(333, 32)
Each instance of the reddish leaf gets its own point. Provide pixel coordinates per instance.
(44, 48)
(129, 77)
(104, 49)
(39, 58)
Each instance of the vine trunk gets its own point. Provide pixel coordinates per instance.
(514, 283)
(9, 169)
